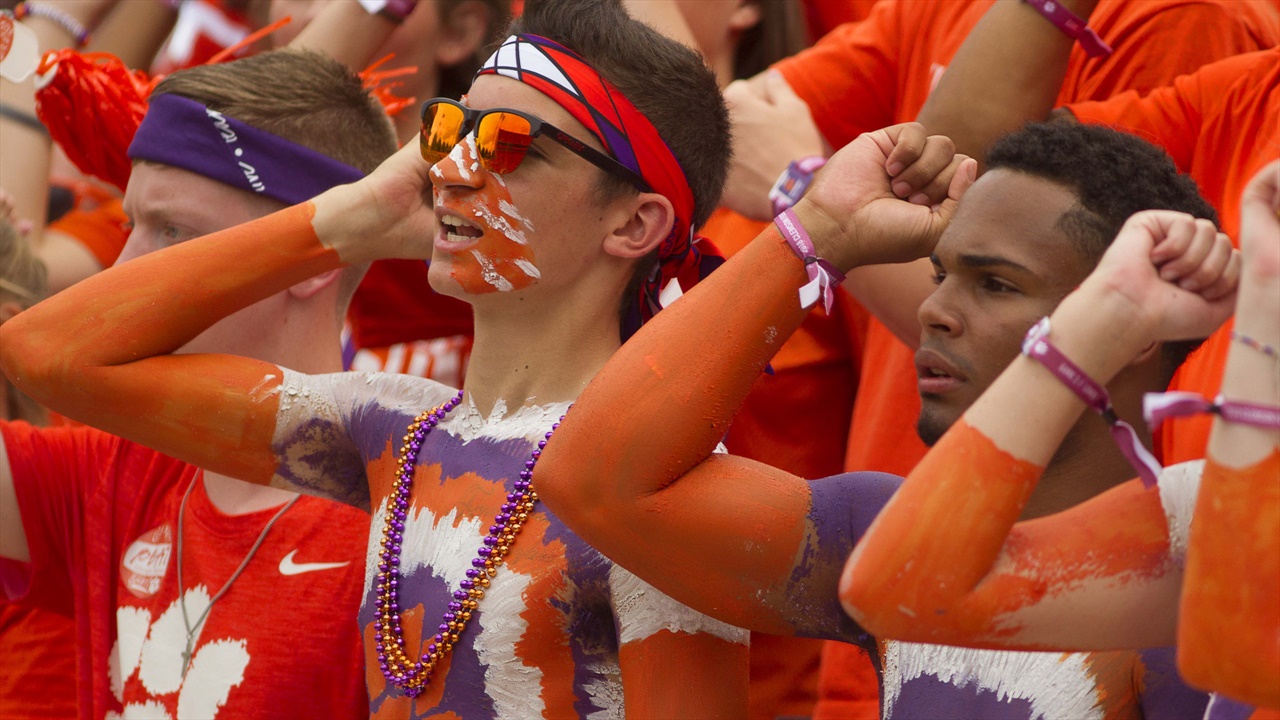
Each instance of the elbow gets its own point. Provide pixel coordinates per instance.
(32, 360)
(873, 603)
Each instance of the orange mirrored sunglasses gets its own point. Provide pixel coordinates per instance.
(503, 136)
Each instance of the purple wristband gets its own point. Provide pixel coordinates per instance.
(792, 184)
(822, 274)
(1071, 25)
(1037, 346)
(1158, 407)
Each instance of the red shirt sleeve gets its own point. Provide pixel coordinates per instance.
(858, 62)
(52, 469)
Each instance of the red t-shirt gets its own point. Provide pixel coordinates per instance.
(38, 673)
(1220, 125)
(867, 75)
(100, 515)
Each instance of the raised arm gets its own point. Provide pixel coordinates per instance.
(945, 563)
(629, 469)
(1229, 632)
(100, 351)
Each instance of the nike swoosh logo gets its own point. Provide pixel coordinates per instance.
(289, 567)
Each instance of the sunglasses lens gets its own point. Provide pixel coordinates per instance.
(502, 140)
(441, 130)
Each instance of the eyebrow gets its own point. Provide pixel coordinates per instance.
(983, 261)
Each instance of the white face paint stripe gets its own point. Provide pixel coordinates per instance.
(490, 274)
(528, 268)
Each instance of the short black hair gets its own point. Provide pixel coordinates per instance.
(1114, 175)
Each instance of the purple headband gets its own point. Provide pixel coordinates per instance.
(181, 132)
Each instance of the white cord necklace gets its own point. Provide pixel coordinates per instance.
(182, 600)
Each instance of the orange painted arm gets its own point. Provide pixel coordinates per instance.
(1229, 634)
(631, 469)
(99, 352)
(945, 562)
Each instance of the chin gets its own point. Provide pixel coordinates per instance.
(931, 425)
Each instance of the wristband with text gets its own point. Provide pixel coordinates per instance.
(1071, 25)
(1158, 407)
(794, 182)
(822, 274)
(1037, 346)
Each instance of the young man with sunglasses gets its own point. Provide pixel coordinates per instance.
(477, 601)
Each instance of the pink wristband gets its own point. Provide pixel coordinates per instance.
(822, 274)
(1037, 346)
(1158, 407)
(1071, 25)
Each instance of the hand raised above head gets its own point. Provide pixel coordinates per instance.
(388, 214)
(856, 211)
(1177, 274)
(772, 126)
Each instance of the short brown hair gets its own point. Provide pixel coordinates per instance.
(302, 96)
(23, 277)
(666, 81)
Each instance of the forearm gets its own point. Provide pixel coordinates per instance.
(1229, 620)
(346, 32)
(98, 352)
(1008, 72)
(135, 32)
(671, 379)
(933, 558)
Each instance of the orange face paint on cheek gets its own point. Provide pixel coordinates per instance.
(501, 260)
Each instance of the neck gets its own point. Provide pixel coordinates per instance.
(539, 353)
(235, 497)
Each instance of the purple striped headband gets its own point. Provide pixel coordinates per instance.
(182, 133)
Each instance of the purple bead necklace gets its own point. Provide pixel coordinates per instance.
(413, 676)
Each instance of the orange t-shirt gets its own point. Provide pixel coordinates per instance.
(813, 385)
(867, 75)
(1221, 126)
(102, 230)
(823, 16)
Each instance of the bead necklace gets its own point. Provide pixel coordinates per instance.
(413, 676)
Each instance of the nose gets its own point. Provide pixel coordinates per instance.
(938, 313)
(460, 168)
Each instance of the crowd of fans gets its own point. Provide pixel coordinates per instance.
(845, 359)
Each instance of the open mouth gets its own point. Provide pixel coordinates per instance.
(458, 230)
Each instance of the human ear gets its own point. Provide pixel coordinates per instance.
(647, 222)
(746, 16)
(463, 32)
